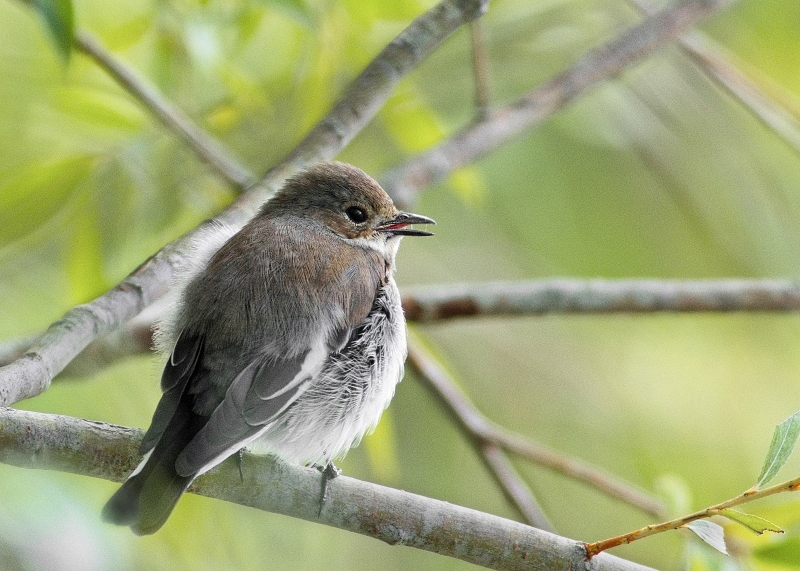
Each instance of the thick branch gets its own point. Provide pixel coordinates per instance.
(204, 146)
(557, 296)
(483, 137)
(482, 431)
(52, 442)
(32, 373)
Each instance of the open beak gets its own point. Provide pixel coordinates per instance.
(398, 226)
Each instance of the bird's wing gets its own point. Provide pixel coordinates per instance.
(179, 369)
(264, 389)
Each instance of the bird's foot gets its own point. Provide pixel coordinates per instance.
(329, 472)
(239, 462)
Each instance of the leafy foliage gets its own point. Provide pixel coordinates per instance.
(639, 178)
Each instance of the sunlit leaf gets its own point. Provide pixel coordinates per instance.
(677, 493)
(381, 449)
(84, 262)
(785, 552)
(36, 192)
(468, 184)
(754, 522)
(412, 123)
(783, 442)
(58, 18)
(709, 532)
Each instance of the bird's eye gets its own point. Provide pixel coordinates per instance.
(356, 214)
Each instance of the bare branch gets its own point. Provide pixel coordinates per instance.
(369, 91)
(534, 297)
(483, 431)
(32, 373)
(751, 495)
(480, 69)
(710, 58)
(514, 487)
(483, 137)
(557, 296)
(53, 442)
(204, 146)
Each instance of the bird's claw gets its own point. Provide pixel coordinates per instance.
(329, 472)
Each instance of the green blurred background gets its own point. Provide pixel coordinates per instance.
(656, 173)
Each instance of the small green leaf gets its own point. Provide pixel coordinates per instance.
(58, 17)
(754, 522)
(783, 442)
(709, 532)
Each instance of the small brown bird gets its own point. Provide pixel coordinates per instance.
(288, 335)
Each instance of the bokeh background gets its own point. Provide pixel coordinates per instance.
(657, 173)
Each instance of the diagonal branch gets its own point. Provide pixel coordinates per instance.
(482, 137)
(31, 374)
(53, 442)
(483, 431)
(709, 57)
(203, 145)
(513, 486)
(568, 296)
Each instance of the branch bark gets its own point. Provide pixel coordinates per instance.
(710, 58)
(562, 296)
(31, 374)
(482, 137)
(203, 145)
(483, 431)
(534, 297)
(62, 443)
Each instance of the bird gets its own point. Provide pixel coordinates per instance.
(287, 337)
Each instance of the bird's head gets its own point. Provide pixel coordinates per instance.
(350, 203)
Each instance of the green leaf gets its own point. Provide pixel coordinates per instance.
(58, 17)
(754, 522)
(709, 532)
(783, 442)
(786, 552)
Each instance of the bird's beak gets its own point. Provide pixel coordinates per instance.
(397, 226)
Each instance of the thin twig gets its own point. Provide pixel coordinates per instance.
(53, 442)
(480, 138)
(31, 374)
(514, 487)
(204, 145)
(593, 549)
(480, 69)
(710, 58)
(567, 296)
(482, 430)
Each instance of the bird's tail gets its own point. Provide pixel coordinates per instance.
(150, 493)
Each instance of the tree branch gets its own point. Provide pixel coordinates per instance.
(482, 431)
(53, 442)
(792, 485)
(535, 297)
(559, 296)
(482, 137)
(31, 374)
(709, 57)
(203, 145)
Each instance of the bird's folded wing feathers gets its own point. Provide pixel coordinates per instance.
(179, 369)
(264, 389)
